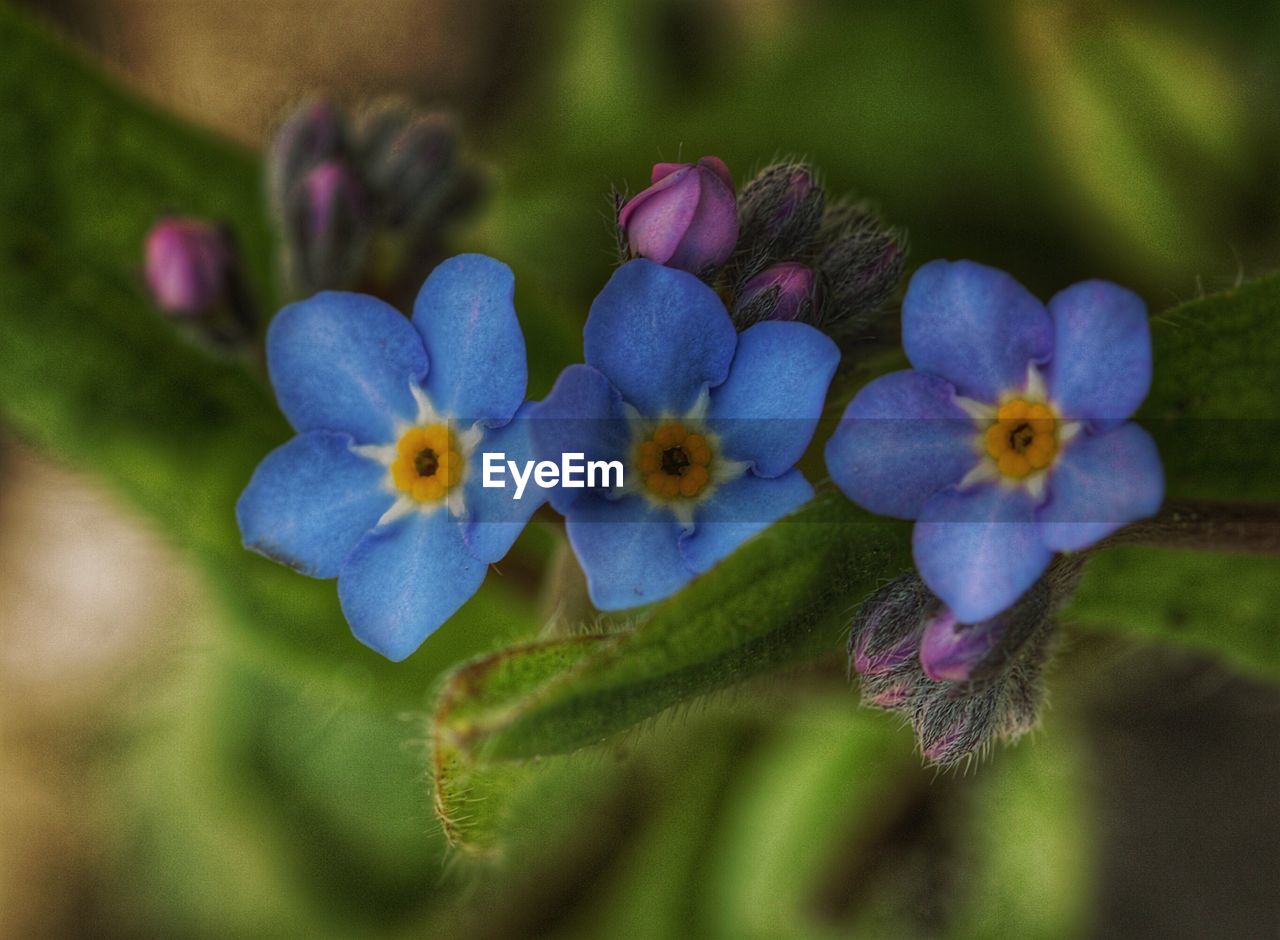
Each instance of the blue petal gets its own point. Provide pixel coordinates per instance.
(768, 407)
(974, 326)
(404, 579)
(738, 510)
(1101, 484)
(309, 502)
(494, 517)
(469, 325)
(1101, 368)
(979, 549)
(344, 362)
(627, 549)
(902, 439)
(582, 415)
(661, 336)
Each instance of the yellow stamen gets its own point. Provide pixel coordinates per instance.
(693, 481)
(699, 451)
(428, 464)
(674, 462)
(1023, 438)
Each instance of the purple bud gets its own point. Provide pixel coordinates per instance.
(314, 133)
(951, 722)
(781, 213)
(869, 662)
(955, 652)
(961, 687)
(410, 160)
(333, 196)
(891, 691)
(327, 228)
(189, 264)
(885, 633)
(782, 292)
(799, 188)
(861, 263)
(950, 650)
(687, 218)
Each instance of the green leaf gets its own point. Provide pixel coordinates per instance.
(469, 790)
(1214, 406)
(783, 598)
(336, 779)
(659, 886)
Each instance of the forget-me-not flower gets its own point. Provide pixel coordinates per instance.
(380, 487)
(1008, 441)
(707, 423)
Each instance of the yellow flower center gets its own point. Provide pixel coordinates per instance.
(428, 463)
(1023, 438)
(674, 462)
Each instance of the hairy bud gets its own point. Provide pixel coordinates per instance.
(952, 722)
(961, 686)
(781, 212)
(861, 265)
(1024, 689)
(956, 652)
(410, 161)
(785, 291)
(886, 630)
(370, 207)
(327, 228)
(312, 134)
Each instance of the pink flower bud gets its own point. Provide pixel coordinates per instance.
(188, 264)
(782, 292)
(688, 217)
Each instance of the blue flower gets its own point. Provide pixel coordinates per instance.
(379, 488)
(706, 423)
(1008, 441)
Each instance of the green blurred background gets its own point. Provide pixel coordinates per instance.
(191, 744)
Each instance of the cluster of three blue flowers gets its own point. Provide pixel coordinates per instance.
(699, 427)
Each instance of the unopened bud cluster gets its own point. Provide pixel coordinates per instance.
(961, 686)
(367, 203)
(778, 250)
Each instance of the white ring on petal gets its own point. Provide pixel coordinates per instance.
(1035, 389)
(986, 470)
(404, 506)
(977, 410)
(427, 413)
(722, 469)
(386, 454)
(469, 440)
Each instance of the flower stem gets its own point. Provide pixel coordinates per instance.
(1208, 527)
